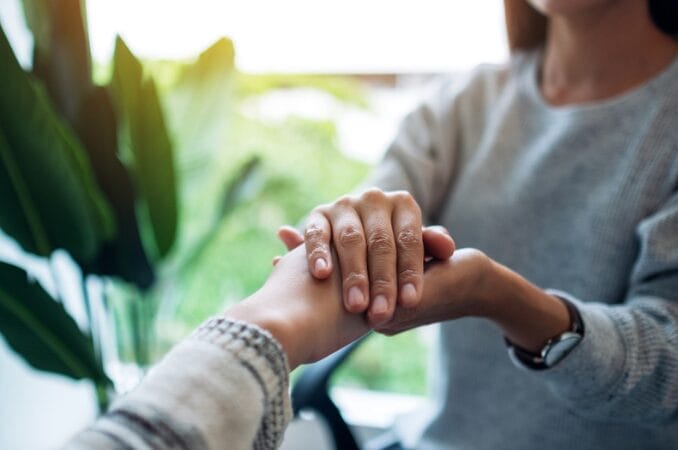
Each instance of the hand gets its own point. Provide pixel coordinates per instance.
(471, 284)
(304, 314)
(380, 245)
(453, 288)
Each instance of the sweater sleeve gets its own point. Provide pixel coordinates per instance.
(422, 155)
(224, 386)
(626, 366)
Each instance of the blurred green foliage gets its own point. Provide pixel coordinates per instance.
(387, 363)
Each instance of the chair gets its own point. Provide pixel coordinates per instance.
(311, 391)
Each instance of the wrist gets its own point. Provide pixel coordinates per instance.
(257, 310)
(491, 286)
(527, 315)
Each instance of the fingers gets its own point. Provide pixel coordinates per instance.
(379, 243)
(438, 243)
(410, 250)
(317, 240)
(381, 255)
(349, 242)
(290, 237)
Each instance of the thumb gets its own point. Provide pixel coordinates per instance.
(438, 243)
(290, 237)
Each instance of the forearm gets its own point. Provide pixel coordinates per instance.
(624, 368)
(527, 315)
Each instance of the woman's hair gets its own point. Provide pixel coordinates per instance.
(664, 14)
(526, 27)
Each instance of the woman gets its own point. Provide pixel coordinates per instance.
(562, 168)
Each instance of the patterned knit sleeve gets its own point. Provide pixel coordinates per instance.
(626, 367)
(226, 386)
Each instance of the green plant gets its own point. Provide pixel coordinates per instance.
(92, 170)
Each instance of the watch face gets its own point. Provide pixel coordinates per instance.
(558, 350)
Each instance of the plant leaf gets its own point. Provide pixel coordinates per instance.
(47, 180)
(61, 60)
(245, 184)
(124, 256)
(40, 330)
(149, 148)
(61, 57)
(241, 186)
(200, 105)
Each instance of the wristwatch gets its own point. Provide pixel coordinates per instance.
(555, 348)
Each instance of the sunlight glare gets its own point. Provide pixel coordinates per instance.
(351, 36)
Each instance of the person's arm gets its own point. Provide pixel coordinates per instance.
(626, 366)
(226, 386)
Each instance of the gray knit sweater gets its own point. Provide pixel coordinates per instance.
(582, 199)
(225, 387)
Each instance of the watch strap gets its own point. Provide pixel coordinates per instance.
(538, 361)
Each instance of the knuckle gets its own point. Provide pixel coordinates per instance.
(380, 242)
(408, 274)
(355, 279)
(404, 198)
(344, 202)
(314, 233)
(408, 238)
(317, 252)
(351, 237)
(373, 195)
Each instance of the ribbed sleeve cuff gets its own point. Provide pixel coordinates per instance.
(226, 384)
(590, 372)
(258, 351)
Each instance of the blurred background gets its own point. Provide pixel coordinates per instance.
(307, 97)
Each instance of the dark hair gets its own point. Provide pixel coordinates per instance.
(664, 14)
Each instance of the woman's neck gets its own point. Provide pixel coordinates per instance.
(594, 55)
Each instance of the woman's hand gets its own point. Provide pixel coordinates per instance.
(380, 242)
(453, 288)
(470, 284)
(304, 314)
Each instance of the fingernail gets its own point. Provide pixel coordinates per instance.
(379, 305)
(408, 294)
(355, 297)
(320, 265)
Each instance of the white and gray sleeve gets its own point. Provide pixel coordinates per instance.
(226, 386)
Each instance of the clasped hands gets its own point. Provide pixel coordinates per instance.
(366, 263)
